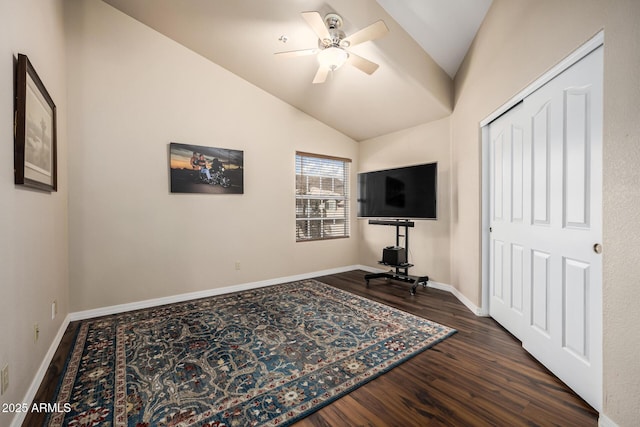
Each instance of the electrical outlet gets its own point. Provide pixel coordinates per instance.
(36, 332)
(4, 379)
(237, 265)
(54, 309)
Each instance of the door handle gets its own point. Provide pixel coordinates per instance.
(597, 248)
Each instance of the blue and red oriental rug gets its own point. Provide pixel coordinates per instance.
(264, 357)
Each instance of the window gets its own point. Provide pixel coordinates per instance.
(322, 197)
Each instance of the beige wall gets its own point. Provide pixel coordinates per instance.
(429, 240)
(133, 91)
(519, 41)
(622, 212)
(33, 224)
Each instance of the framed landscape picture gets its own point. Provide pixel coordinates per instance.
(35, 157)
(209, 170)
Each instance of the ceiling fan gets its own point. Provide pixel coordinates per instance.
(332, 44)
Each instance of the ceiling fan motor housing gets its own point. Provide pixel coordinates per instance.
(334, 23)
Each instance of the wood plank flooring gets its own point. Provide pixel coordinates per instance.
(480, 376)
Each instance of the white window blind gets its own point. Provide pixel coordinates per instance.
(322, 197)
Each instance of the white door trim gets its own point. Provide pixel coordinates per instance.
(591, 45)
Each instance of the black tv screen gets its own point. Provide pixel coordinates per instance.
(408, 192)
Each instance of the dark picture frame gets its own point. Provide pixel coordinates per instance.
(35, 138)
(224, 169)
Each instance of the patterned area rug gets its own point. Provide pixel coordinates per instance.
(263, 357)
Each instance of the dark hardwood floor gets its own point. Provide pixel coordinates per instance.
(480, 376)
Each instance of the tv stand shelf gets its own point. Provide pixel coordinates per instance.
(405, 265)
(398, 272)
(402, 277)
(394, 222)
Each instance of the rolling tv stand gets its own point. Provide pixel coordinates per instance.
(398, 272)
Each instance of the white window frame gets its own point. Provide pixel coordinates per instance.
(322, 197)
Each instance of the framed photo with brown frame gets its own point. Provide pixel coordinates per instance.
(35, 150)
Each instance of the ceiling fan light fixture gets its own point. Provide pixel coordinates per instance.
(332, 44)
(333, 57)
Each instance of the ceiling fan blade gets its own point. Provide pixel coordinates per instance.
(372, 32)
(321, 75)
(362, 64)
(295, 53)
(317, 24)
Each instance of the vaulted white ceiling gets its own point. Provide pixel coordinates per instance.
(418, 58)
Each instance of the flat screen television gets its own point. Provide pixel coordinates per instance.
(407, 192)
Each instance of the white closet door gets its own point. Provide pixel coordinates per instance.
(546, 221)
(509, 219)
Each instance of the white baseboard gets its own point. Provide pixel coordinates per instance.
(441, 286)
(18, 419)
(369, 269)
(121, 308)
(466, 301)
(604, 421)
